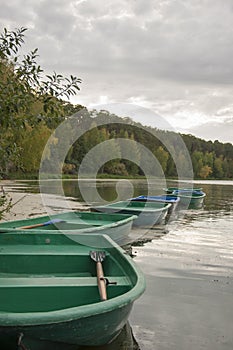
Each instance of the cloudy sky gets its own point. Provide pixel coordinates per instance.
(172, 57)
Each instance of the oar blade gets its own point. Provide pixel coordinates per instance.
(53, 221)
(97, 256)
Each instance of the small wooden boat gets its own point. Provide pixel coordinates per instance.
(116, 226)
(148, 213)
(160, 199)
(52, 289)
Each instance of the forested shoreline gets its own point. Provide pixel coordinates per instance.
(32, 106)
(210, 160)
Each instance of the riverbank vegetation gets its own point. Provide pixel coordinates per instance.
(5, 202)
(34, 104)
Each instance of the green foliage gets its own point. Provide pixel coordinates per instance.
(115, 167)
(31, 144)
(115, 129)
(162, 157)
(5, 203)
(27, 96)
(10, 41)
(206, 164)
(218, 167)
(23, 79)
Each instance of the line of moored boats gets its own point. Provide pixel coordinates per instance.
(64, 278)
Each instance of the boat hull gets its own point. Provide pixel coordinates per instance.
(117, 227)
(160, 199)
(148, 214)
(170, 190)
(87, 331)
(192, 198)
(191, 201)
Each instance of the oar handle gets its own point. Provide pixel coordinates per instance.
(41, 224)
(31, 226)
(101, 281)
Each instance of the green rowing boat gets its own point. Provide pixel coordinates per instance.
(191, 200)
(52, 289)
(182, 189)
(117, 226)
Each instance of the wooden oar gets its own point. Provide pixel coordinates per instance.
(41, 224)
(98, 257)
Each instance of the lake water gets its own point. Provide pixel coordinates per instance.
(188, 264)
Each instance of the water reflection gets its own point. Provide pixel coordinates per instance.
(188, 267)
(124, 341)
(216, 194)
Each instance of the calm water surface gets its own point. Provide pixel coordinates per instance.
(188, 264)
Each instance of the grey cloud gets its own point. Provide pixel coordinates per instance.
(97, 9)
(57, 19)
(13, 14)
(215, 131)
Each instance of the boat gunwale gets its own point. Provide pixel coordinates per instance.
(185, 189)
(159, 199)
(141, 210)
(128, 218)
(191, 195)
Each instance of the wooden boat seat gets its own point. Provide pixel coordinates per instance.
(52, 281)
(46, 249)
(42, 294)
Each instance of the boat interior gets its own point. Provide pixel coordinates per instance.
(50, 276)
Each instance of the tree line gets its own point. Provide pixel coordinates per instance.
(209, 159)
(33, 105)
